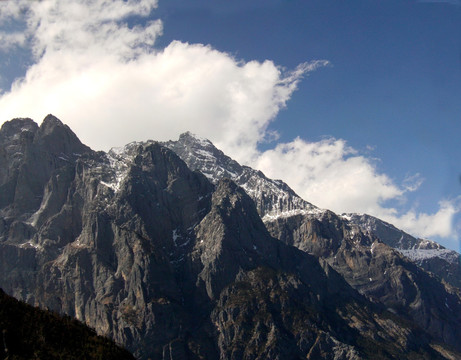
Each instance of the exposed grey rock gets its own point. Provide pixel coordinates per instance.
(351, 243)
(274, 198)
(163, 261)
(394, 237)
(28, 159)
(431, 256)
(377, 271)
(271, 197)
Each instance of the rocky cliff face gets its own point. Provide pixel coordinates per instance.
(200, 154)
(271, 197)
(376, 270)
(431, 256)
(352, 244)
(173, 266)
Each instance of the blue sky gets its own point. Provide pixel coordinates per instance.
(394, 83)
(373, 128)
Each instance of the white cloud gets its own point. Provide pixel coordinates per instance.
(184, 87)
(106, 80)
(12, 10)
(10, 35)
(412, 182)
(425, 225)
(94, 28)
(332, 175)
(111, 86)
(10, 40)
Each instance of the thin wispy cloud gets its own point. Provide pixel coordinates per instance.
(100, 72)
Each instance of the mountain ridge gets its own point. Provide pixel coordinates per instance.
(200, 154)
(151, 253)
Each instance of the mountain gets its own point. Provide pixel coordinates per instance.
(274, 199)
(153, 254)
(352, 244)
(31, 333)
(431, 256)
(271, 197)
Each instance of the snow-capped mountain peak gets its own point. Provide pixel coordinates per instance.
(273, 198)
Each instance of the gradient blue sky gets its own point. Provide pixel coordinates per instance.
(393, 86)
(394, 83)
(391, 91)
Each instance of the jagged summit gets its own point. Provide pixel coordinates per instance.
(191, 138)
(51, 120)
(30, 155)
(59, 138)
(429, 254)
(15, 126)
(273, 198)
(394, 237)
(195, 150)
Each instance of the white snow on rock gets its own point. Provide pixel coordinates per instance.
(120, 159)
(419, 255)
(274, 215)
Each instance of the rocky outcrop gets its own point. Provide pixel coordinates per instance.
(377, 271)
(274, 199)
(173, 266)
(271, 197)
(431, 256)
(28, 157)
(353, 244)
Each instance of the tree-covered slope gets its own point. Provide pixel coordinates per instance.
(27, 332)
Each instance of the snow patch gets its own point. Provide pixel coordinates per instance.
(175, 236)
(120, 160)
(446, 304)
(424, 254)
(271, 216)
(29, 244)
(372, 247)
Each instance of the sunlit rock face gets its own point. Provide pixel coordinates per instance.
(175, 263)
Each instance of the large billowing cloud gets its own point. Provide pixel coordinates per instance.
(109, 83)
(96, 67)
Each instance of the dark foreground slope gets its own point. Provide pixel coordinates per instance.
(168, 264)
(30, 333)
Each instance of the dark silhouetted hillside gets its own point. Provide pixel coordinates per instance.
(30, 333)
